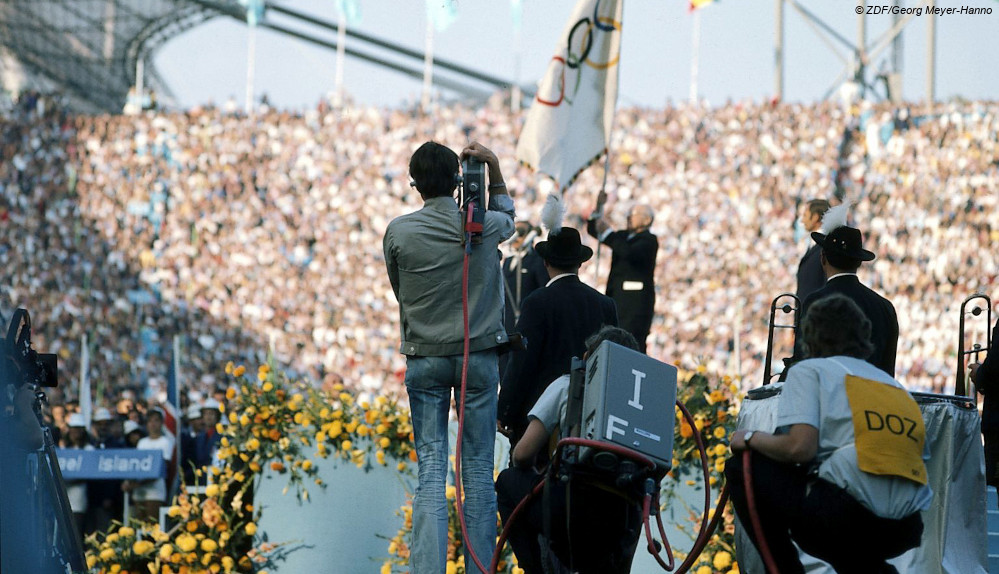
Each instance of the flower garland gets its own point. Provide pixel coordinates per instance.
(282, 425)
(273, 422)
(714, 407)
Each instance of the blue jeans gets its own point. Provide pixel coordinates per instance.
(429, 381)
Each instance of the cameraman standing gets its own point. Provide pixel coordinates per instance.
(424, 256)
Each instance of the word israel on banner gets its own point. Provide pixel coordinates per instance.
(110, 464)
(569, 123)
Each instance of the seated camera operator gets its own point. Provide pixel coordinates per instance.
(844, 475)
(599, 531)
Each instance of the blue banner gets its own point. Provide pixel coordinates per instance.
(110, 464)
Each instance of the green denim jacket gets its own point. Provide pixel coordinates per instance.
(424, 257)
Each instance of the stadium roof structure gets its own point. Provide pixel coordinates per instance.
(89, 49)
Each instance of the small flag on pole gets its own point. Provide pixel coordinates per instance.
(442, 13)
(569, 123)
(698, 4)
(254, 11)
(349, 11)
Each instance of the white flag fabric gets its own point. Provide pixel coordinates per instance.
(569, 123)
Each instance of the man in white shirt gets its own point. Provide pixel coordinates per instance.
(150, 495)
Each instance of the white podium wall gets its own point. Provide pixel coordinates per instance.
(337, 530)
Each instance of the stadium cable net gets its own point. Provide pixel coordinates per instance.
(88, 49)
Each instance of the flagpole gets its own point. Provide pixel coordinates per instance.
(515, 94)
(607, 156)
(251, 49)
(695, 55)
(86, 404)
(175, 359)
(341, 53)
(428, 66)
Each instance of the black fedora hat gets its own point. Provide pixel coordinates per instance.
(563, 249)
(845, 241)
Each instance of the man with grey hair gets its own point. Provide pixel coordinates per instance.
(630, 282)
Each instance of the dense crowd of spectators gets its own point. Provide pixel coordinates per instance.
(258, 237)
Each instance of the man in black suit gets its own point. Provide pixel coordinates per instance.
(841, 256)
(555, 320)
(630, 281)
(986, 379)
(811, 277)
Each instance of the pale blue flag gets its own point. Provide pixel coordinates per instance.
(350, 11)
(254, 11)
(516, 13)
(442, 13)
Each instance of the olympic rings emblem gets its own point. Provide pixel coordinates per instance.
(575, 56)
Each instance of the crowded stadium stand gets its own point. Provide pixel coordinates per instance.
(262, 235)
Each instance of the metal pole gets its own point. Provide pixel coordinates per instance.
(931, 57)
(126, 513)
(428, 66)
(341, 57)
(251, 49)
(695, 39)
(140, 72)
(861, 48)
(896, 45)
(515, 94)
(779, 51)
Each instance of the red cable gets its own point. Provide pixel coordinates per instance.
(646, 507)
(494, 565)
(461, 409)
(706, 526)
(761, 541)
(662, 534)
(702, 533)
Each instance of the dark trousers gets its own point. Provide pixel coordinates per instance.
(597, 534)
(638, 325)
(822, 518)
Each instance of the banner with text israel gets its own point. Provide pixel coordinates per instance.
(110, 464)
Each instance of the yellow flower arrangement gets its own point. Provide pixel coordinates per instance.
(714, 406)
(274, 424)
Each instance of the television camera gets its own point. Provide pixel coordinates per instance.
(472, 194)
(37, 530)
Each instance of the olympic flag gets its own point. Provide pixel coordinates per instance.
(569, 123)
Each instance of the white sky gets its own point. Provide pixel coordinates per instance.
(736, 51)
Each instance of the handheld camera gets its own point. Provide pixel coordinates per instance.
(20, 363)
(473, 195)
